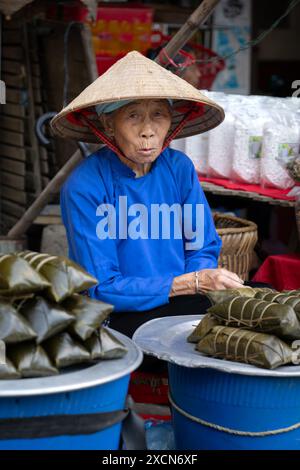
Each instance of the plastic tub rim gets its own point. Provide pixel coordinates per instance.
(157, 345)
(87, 377)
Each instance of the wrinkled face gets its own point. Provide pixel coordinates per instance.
(140, 128)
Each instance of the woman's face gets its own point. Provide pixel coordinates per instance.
(140, 128)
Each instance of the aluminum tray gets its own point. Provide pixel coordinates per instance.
(80, 378)
(166, 339)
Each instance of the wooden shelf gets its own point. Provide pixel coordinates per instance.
(220, 191)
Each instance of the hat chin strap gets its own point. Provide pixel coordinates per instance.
(104, 138)
(178, 128)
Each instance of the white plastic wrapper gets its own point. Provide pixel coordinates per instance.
(196, 148)
(221, 139)
(281, 140)
(280, 143)
(220, 145)
(250, 120)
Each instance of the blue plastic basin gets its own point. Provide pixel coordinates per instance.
(99, 388)
(239, 402)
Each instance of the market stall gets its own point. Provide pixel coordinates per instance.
(67, 373)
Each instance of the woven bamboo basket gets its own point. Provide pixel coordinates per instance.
(239, 237)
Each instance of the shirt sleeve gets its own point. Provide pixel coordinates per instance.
(201, 251)
(79, 203)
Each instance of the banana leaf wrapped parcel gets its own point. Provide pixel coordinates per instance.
(18, 278)
(258, 315)
(292, 292)
(104, 345)
(265, 290)
(45, 318)
(8, 371)
(204, 326)
(249, 347)
(31, 360)
(13, 327)
(219, 296)
(282, 298)
(64, 276)
(65, 351)
(89, 314)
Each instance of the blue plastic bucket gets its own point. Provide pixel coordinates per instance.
(96, 389)
(236, 402)
(215, 403)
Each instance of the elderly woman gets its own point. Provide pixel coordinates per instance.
(135, 214)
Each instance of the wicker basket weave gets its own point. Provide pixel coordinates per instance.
(239, 237)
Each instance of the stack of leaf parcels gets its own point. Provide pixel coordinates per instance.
(45, 323)
(253, 326)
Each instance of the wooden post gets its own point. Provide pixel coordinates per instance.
(46, 195)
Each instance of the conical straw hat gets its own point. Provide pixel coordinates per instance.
(136, 77)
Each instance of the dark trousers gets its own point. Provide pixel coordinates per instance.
(128, 322)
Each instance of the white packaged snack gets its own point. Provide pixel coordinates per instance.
(250, 121)
(280, 145)
(178, 144)
(220, 148)
(281, 142)
(196, 148)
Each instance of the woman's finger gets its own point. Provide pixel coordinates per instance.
(229, 283)
(232, 276)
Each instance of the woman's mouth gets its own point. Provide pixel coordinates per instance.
(146, 151)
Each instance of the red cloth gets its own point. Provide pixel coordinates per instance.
(254, 188)
(281, 271)
(149, 388)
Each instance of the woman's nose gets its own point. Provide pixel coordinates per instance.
(147, 131)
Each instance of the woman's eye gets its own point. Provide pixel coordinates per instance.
(160, 113)
(133, 115)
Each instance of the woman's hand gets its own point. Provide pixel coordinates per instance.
(208, 279)
(218, 279)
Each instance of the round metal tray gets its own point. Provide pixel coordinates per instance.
(83, 377)
(166, 339)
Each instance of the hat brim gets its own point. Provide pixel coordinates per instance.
(134, 78)
(66, 125)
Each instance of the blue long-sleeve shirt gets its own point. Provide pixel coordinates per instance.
(135, 273)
